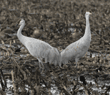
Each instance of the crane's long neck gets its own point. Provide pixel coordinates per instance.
(19, 34)
(87, 34)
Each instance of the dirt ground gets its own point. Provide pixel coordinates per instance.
(52, 21)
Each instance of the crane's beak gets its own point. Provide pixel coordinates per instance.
(90, 14)
(17, 23)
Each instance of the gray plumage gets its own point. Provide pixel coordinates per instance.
(38, 48)
(78, 49)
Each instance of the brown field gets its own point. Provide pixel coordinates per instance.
(50, 21)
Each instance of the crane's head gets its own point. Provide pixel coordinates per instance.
(87, 14)
(22, 22)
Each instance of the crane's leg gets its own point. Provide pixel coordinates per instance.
(77, 64)
(76, 60)
(40, 63)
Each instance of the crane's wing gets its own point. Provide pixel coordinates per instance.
(74, 50)
(68, 53)
(54, 57)
(41, 49)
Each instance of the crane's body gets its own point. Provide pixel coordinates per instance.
(38, 48)
(77, 49)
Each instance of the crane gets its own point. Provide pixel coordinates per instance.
(77, 49)
(38, 48)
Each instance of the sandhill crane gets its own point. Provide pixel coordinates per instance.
(77, 49)
(38, 48)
